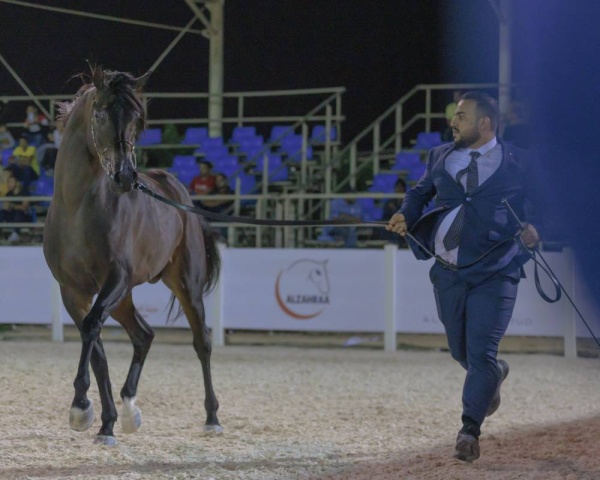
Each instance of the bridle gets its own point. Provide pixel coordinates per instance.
(101, 153)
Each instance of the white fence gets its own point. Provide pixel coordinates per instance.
(304, 290)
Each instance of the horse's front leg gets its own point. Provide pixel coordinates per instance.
(82, 415)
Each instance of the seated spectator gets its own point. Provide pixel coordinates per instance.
(345, 210)
(35, 125)
(390, 207)
(221, 188)
(204, 183)
(219, 206)
(27, 161)
(48, 151)
(7, 141)
(15, 211)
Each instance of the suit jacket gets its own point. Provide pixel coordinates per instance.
(487, 220)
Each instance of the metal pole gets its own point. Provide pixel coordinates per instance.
(215, 81)
(389, 259)
(570, 326)
(504, 60)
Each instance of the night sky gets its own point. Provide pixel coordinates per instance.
(377, 50)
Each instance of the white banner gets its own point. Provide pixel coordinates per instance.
(304, 290)
(311, 290)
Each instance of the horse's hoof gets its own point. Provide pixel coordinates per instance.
(214, 429)
(106, 440)
(80, 420)
(131, 416)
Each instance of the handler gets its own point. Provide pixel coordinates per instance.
(480, 261)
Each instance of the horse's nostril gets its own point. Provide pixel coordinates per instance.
(117, 178)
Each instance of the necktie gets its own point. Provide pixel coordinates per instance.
(452, 238)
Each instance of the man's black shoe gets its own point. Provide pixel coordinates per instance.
(467, 447)
(496, 398)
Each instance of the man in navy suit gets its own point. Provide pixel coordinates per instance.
(478, 256)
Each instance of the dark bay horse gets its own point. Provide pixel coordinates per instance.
(102, 237)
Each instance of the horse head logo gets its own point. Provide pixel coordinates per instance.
(302, 289)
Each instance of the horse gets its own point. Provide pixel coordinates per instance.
(104, 237)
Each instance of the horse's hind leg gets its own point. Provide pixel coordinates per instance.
(82, 415)
(141, 336)
(190, 298)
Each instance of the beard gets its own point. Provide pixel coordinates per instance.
(466, 139)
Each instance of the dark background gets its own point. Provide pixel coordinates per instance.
(377, 50)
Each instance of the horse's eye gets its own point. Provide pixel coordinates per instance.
(100, 116)
(318, 272)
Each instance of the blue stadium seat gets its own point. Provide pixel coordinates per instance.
(6, 155)
(279, 132)
(194, 135)
(241, 133)
(278, 172)
(43, 187)
(150, 136)
(319, 134)
(292, 147)
(383, 182)
(428, 140)
(227, 165)
(213, 153)
(211, 142)
(186, 174)
(406, 160)
(183, 161)
(370, 210)
(416, 171)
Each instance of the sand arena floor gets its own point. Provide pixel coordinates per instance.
(297, 413)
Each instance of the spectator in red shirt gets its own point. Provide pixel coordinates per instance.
(203, 184)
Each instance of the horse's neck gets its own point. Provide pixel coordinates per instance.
(77, 171)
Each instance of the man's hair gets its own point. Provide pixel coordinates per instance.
(486, 106)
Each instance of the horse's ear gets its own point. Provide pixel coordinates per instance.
(98, 75)
(141, 81)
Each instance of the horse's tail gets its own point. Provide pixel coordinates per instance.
(213, 257)
(213, 268)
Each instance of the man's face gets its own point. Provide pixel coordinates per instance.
(465, 124)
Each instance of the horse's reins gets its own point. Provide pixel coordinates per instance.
(255, 221)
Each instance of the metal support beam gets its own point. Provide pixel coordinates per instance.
(504, 58)
(214, 32)
(24, 86)
(172, 44)
(215, 80)
(97, 16)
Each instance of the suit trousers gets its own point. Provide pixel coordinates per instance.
(475, 317)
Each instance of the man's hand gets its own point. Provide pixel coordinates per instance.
(530, 236)
(397, 224)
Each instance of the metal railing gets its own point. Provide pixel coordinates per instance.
(284, 206)
(394, 120)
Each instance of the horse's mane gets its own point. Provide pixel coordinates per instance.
(120, 84)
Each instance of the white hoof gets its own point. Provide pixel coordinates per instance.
(214, 429)
(80, 420)
(105, 440)
(131, 416)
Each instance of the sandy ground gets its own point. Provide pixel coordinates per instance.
(298, 413)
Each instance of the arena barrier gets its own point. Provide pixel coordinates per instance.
(329, 290)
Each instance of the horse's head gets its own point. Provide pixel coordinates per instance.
(117, 118)
(318, 275)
